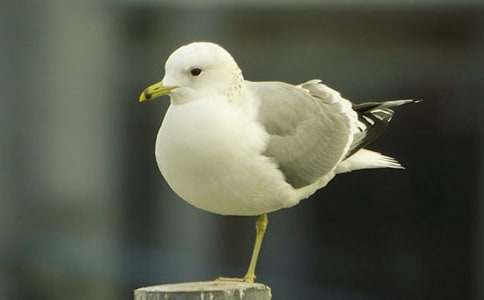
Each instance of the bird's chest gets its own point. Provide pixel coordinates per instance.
(196, 137)
(204, 148)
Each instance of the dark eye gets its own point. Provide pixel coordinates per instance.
(195, 71)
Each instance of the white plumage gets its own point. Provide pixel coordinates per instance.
(236, 147)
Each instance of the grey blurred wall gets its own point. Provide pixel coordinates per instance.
(84, 213)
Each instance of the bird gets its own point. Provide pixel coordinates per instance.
(231, 146)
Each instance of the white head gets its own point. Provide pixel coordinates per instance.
(195, 71)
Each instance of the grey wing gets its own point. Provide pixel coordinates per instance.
(310, 126)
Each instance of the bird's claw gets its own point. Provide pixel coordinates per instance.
(247, 278)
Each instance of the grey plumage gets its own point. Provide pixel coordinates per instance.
(312, 128)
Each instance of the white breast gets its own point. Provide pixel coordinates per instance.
(210, 154)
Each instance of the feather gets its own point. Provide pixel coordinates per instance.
(366, 159)
(373, 119)
(310, 128)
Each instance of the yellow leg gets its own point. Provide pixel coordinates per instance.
(260, 227)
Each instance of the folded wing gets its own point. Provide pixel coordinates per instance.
(311, 128)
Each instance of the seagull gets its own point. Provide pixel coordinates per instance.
(231, 146)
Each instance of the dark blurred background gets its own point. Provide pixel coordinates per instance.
(85, 214)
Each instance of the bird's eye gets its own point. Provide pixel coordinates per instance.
(195, 71)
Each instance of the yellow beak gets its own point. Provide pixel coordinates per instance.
(154, 91)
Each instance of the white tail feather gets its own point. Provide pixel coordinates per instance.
(366, 159)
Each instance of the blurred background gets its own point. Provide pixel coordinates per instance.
(85, 214)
